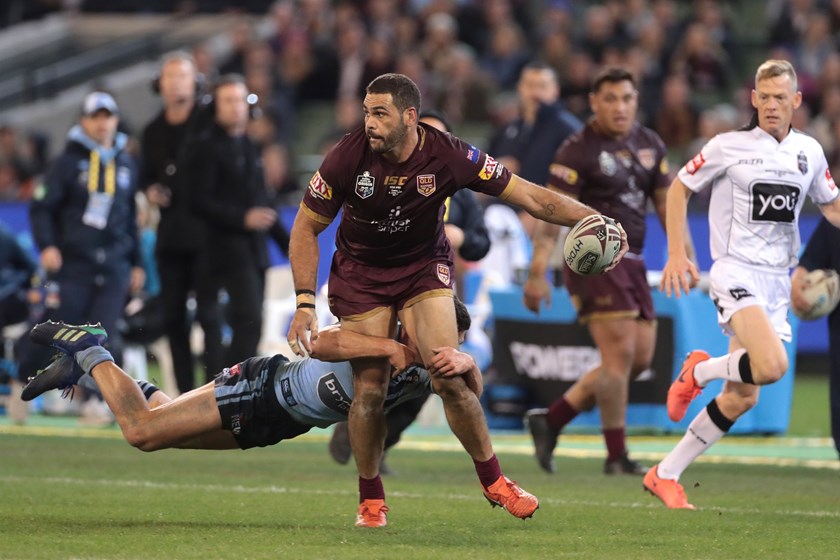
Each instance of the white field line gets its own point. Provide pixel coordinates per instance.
(451, 444)
(279, 490)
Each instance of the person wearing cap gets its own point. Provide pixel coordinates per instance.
(83, 220)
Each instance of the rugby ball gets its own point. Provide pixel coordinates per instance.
(822, 291)
(592, 244)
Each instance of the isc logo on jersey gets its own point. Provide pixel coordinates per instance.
(319, 188)
(773, 202)
(491, 168)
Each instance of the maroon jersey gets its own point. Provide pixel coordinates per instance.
(393, 213)
(614, 176)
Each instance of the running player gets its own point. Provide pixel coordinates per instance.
(759, 177)
(615, 165)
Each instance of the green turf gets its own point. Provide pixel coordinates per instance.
(84, 497)
(809, 416)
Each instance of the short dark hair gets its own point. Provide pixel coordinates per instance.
(539, 65)
(432, 114)
(612, 75)
(228, 79)
(405, 92)
(462, 315)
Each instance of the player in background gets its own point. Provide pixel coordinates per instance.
(615, 165)
(392, 261)
(759, 177)
(823, 251)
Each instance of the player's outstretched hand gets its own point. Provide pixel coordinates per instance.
(679, 275)
(303, 331)
(535, 290)
(625, 246)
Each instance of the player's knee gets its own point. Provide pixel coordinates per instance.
(639, 366)
(450, 387)
(370, 394)
(769, 368)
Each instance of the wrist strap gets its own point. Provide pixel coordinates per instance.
(304, 291)
(306, 305)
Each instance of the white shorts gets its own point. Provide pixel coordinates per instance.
(734, 286)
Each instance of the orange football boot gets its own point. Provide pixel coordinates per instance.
(684, 388)
(670, 492)
(372, 513)
(507, 494)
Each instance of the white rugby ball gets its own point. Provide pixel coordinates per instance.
(592, 244)
(822, 291)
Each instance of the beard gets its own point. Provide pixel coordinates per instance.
(390, 141)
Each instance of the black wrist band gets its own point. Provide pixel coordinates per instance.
(304, 291)
(306, 305)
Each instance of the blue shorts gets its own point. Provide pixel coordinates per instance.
(248, 403)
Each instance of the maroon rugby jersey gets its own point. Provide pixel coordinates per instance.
(393, 213)
(614, 176)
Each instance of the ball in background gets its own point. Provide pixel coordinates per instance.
(822, 291)
(592, 244)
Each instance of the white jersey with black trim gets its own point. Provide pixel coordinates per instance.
(317, 393)
(758, 189)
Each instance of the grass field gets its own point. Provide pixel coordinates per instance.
(71, 493)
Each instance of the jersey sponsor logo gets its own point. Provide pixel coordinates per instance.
(491, 168)
(319, 188)
(332, 394)
(773, 202)
(395, 184)
(364, 185)
(286, 389)
(695, 164)
(472, 153)
(831, 184)
(607, 164)
(443, 273)
(802, 163)
(647, 157)
(426, 184)
(740, 293)
(567, 174)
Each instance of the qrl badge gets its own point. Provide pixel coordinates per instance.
(364, 185)
(426, 184)
(443, 274)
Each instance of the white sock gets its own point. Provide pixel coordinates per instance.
(724, 367)
(702, 433)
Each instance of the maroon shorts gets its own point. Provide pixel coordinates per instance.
(621, 293)
(356, 289)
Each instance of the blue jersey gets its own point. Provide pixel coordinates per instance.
(317, 393)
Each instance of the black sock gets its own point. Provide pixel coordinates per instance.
(744, 369)
(717, 417)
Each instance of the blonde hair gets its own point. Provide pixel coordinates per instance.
(775, 68)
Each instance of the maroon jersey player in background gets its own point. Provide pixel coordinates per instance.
(393, 261)
(614, 165)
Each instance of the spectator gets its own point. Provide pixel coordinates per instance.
(84, 222)
(181, 250)
(229, 194)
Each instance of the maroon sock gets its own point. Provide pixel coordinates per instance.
(561, 413)
(614, 438)
(488, 471)
(371, 489)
